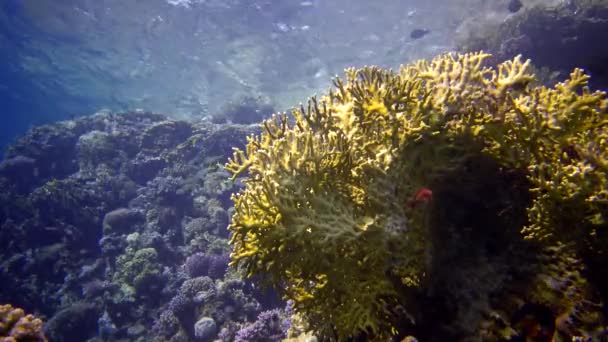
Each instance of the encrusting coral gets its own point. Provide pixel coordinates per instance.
(16, 326)
(323, 213)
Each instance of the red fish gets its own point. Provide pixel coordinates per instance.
(422, 196)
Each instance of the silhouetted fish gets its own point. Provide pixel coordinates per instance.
(418, 33)
(534, 322)
(514, 6)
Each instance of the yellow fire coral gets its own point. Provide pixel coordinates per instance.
(322, 213)
(16, 326)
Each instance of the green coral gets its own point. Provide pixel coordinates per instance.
(323, 213)
(138, 270)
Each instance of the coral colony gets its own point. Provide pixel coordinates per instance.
(324, 215)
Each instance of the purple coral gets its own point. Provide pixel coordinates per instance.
(192, 291)
(189, 294)
(289, 311)
(267, 327)
(166, 325)
(200, 264)
(179, 304)
(218, 264)
(197, 265)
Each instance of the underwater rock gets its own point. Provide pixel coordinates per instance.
(96, 147)
(144, 168)
(165, 134)
(75, 323)
(121, 221)
(19, 171)
(52, 147)
(205, 329)
(559, 39)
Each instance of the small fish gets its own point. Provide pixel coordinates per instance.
(514, 6)
(419, 33)
(422, 196)
(534, 323)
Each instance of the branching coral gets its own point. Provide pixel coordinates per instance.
(323, 214)
(16, 326)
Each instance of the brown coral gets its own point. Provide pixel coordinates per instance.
(16, 326)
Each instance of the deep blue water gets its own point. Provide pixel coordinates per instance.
(189, 59)
(27, 100)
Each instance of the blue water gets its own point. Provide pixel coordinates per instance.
(29, 99)
(67, 58)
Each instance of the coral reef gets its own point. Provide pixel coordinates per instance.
(139, 271)
(269, 326)
(200, 264)
(16, 326)
(225, 302)
(324, 217)
(557, 38)
(447, 201)
(98, 216)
